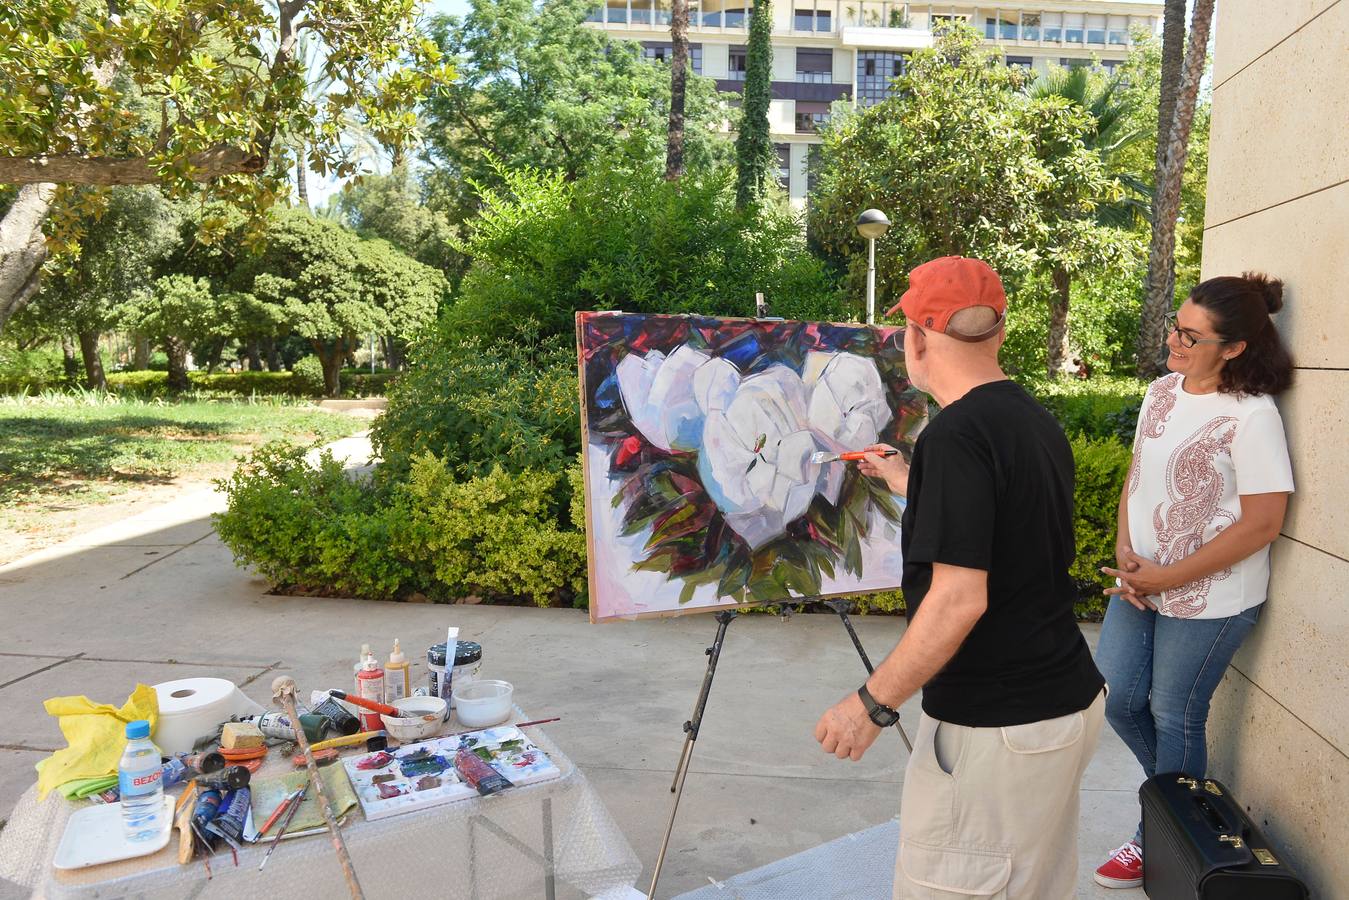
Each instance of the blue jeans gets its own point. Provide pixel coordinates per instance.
(1162, 672)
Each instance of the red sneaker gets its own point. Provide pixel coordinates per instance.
(1124, 868)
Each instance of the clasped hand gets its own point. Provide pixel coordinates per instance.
(1140, 579)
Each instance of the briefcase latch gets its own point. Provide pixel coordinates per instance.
(1191, 783)
(1264, 857)
(1233, 839)
(1213, 788)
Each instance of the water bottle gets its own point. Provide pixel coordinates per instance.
(140, 782)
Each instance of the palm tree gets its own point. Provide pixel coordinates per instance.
(1109, 136)
(1166, 197)
(679, 35)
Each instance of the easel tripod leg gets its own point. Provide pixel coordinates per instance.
(691, 727)
(843, 607)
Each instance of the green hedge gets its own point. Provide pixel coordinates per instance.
(498, 536)
(1102, 467)
(1100, 406)
(355, 383)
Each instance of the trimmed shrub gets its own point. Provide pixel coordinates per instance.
(1102, 467)
(366, 384)
(311, 529)
(307, 374)
(477, 405)
(496, 535)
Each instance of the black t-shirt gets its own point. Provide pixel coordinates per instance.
(991, 487)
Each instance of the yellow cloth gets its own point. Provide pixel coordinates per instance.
(96, 735)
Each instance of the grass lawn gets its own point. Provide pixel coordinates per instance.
(62, 452)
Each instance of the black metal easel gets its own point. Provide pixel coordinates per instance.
(724, 618)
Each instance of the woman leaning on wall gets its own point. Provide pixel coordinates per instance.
(1205, 498)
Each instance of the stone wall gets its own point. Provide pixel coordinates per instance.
(1278, 201)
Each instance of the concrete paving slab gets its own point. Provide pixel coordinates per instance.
(106, 682)
(16, 776)
(14, 667)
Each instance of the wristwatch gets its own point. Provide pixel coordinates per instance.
(882, 715)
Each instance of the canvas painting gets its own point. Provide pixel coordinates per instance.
(422, 775)
(702, 486)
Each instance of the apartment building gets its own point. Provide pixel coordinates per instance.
(848, 50)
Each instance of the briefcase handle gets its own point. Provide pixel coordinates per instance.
(1216, 810)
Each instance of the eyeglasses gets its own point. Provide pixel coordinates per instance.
(1188, 340)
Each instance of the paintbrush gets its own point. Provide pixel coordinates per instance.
(281, 807)
(824, 456)
(374, 705)
(297, 800)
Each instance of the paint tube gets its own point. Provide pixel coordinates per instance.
(343, 722)
(278, 726)
(208, 806)
(184, 766)
(233, 778)
(478, 774)
(229, 824)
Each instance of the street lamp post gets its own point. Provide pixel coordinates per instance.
(871, 224)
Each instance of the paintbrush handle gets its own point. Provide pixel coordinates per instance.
(853, 455)
(347, 740)
(372, 705)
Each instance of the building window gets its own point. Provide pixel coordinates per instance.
(1000, 28)
(814, 160)
(1030, 26)
(937, 19)
(1110, 65)
(1095, 29)
(1117, 30)
(811, 115)
(738, 63)
(1053, 27)
(784, 165)
(1073, 30)
(664, 52)
(1074, 63)
(1019, 62)
(875, 69)
(812, 20)
(641, 12)
(815, 66)
(735, 18)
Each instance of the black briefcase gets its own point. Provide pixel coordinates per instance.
(1199, 844)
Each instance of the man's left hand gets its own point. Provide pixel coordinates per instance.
(846, 730)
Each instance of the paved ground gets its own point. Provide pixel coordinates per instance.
(158, 597)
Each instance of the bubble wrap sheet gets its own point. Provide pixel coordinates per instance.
(490, 848)
(858, 866)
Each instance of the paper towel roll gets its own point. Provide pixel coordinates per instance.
(192, 708)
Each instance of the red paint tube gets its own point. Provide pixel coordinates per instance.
(478, 774)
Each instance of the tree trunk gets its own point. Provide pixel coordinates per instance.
(1173, 62)
(71, 364)
(332, 358)
(274, 361)
(679, 64)
(301, 179)
(214, 351)
(1161, 255)
(1058, 322)
(141, 360)
(94, 379)
(23, 248)
(253, 355)
(177, 352)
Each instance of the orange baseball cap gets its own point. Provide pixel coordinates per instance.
(942, 287)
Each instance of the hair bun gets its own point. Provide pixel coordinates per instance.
(1270, 288)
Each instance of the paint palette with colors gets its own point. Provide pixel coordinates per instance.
(420, 776)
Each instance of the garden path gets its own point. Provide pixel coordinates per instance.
(157, 596)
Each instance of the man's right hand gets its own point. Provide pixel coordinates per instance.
(893, 470)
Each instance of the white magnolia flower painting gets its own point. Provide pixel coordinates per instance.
(702, 489)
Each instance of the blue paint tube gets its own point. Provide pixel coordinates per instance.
(207, 808)
(229, 824)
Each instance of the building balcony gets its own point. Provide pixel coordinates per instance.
(888, 23)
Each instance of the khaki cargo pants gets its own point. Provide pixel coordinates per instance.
(992, 812)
